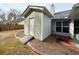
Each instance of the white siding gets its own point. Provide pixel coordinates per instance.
(37, 25)
(71, 30)
(42, 25)
(46, 26)
(26, 26)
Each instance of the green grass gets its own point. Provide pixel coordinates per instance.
(12, 46)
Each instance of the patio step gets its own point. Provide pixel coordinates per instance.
(23, 38)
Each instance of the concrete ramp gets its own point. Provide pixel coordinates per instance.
(23, 38)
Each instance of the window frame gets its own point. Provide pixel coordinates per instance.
(63, 26)
(58, 26)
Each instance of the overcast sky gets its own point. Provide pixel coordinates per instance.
(22, 6)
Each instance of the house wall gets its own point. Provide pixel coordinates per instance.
(46, 26)
(54, 28)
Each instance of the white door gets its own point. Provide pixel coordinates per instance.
(31, 26)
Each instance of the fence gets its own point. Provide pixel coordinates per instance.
(10, 27)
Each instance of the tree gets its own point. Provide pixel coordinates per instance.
(14, 16)
(2, 16)
(11, 14)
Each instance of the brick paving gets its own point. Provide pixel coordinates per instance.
(51, 46)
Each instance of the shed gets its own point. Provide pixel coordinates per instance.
(37, 22)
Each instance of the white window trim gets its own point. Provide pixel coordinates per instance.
(60, 26)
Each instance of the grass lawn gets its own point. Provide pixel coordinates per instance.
(9, 45)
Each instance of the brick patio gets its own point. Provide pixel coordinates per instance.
(51, 46)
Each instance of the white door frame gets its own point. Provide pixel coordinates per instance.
(31, 27)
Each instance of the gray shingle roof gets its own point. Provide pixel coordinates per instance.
(62, 14)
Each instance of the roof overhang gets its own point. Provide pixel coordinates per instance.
(31, 8)
(64, 18)
(75, 12)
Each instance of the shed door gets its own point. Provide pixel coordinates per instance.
(31, 26)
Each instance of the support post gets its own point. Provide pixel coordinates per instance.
(71, 28)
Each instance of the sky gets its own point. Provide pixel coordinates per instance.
(23, 6)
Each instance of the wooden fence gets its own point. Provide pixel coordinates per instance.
(10, 27)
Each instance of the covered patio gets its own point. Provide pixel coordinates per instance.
(66, 23)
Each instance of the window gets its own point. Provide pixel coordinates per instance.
(65, 23)
(76, 26)
(58, 29)
(66, 26)
(62, 26)
(58, 26)
(66, 29)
